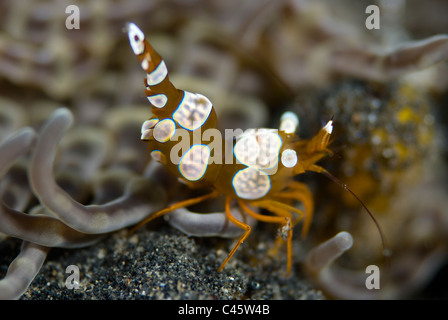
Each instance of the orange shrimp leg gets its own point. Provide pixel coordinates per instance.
(238, 223)
(284, 220)
(302, 193)
(283, 210)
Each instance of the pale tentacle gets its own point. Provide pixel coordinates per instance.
(330, 279)
(140, 199)
(413, 56)
(41, 230)
(321, 256)
(15, 146)
(207, 225)
(12, 148)
(14, 188)
(22, 270)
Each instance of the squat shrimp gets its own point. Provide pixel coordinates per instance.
(256, 172)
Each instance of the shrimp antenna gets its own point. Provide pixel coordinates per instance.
(319, 169)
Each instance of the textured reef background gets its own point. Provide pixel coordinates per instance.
(386, 90)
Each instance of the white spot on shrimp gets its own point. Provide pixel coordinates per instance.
(147, 128)
(246, 148)
(251, 183)
(145, 64)
(157, 75)
(164, 130)
(158, 100)
(289, 122)
(194, 162)
(136, 39)
(289, 158)
(258, 148)
(193, 111)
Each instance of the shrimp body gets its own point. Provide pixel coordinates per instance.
(256, 168)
